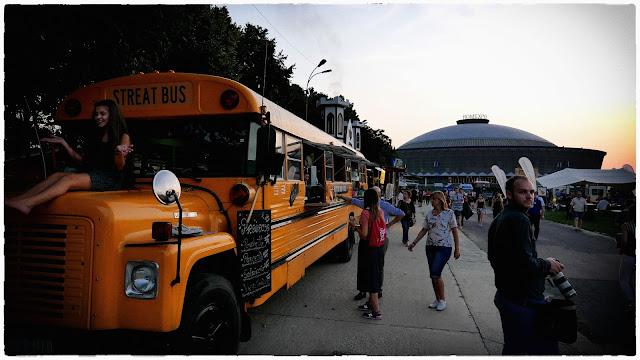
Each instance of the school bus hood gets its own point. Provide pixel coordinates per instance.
(134, 209)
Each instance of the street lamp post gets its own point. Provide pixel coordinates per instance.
(306, 104)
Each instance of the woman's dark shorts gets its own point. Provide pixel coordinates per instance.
(104, 180)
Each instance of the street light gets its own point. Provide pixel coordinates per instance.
(306, 104)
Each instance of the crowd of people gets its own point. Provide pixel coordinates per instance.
(519, 274)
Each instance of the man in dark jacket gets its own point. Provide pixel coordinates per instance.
(519, 273)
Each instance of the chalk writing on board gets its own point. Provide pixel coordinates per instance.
(254, 250)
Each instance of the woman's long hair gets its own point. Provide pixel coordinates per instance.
(440, 196)
(371, 201)
(117, 125)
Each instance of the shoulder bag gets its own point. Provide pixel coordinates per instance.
(556, 320)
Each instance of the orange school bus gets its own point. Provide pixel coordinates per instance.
(118, 260)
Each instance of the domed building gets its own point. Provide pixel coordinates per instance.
(466, 151)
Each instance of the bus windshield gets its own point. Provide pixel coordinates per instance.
(194, 147)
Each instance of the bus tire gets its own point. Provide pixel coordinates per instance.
(211, 319)
(344, 250)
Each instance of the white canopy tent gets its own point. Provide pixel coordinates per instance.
(570, 176)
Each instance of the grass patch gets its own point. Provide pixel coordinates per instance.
(593, 222)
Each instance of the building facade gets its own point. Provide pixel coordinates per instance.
(469, 149)
(333, 122)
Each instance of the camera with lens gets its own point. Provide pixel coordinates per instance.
(560, 281)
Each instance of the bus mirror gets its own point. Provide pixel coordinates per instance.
(166, 187)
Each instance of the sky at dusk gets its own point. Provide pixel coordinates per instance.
(566, 72)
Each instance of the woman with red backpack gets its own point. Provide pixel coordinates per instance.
(372, 229)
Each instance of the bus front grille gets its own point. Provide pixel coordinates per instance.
(47, 270)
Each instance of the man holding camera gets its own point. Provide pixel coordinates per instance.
(519, 273)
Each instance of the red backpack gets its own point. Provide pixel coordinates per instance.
(377, 231)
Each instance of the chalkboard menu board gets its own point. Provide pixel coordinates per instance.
(254, 247)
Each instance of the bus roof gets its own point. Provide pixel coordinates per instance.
(175, 95)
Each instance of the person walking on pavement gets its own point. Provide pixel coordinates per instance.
(467, 210)
(428, 196)
(439, 224)
(480, 209)
(457, 200)
(536, 213)
(497, 205)
(578, 204)
(409, 218)
(519, 273)
(388, 210)
(372, 225)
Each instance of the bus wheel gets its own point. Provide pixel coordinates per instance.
(345, 248)
(211, 318)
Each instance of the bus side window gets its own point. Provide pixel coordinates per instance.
(329, 165)
(313, 173)
(339, 165)
(253, 157)
(294, 158)
(355, 176)
(280, 150)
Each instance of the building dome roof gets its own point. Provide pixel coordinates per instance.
(475, 133)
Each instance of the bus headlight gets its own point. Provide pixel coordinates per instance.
(141, 279)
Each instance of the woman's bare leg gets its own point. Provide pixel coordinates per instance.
(42, 185)
(373, 300)
(438, 288)
(73, 181)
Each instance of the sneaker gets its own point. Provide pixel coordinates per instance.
(433, 304)
(360, 296)
(372, 316)
(364, 307)
(441, 305)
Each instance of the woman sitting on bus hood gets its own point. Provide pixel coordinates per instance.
(104, 163)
